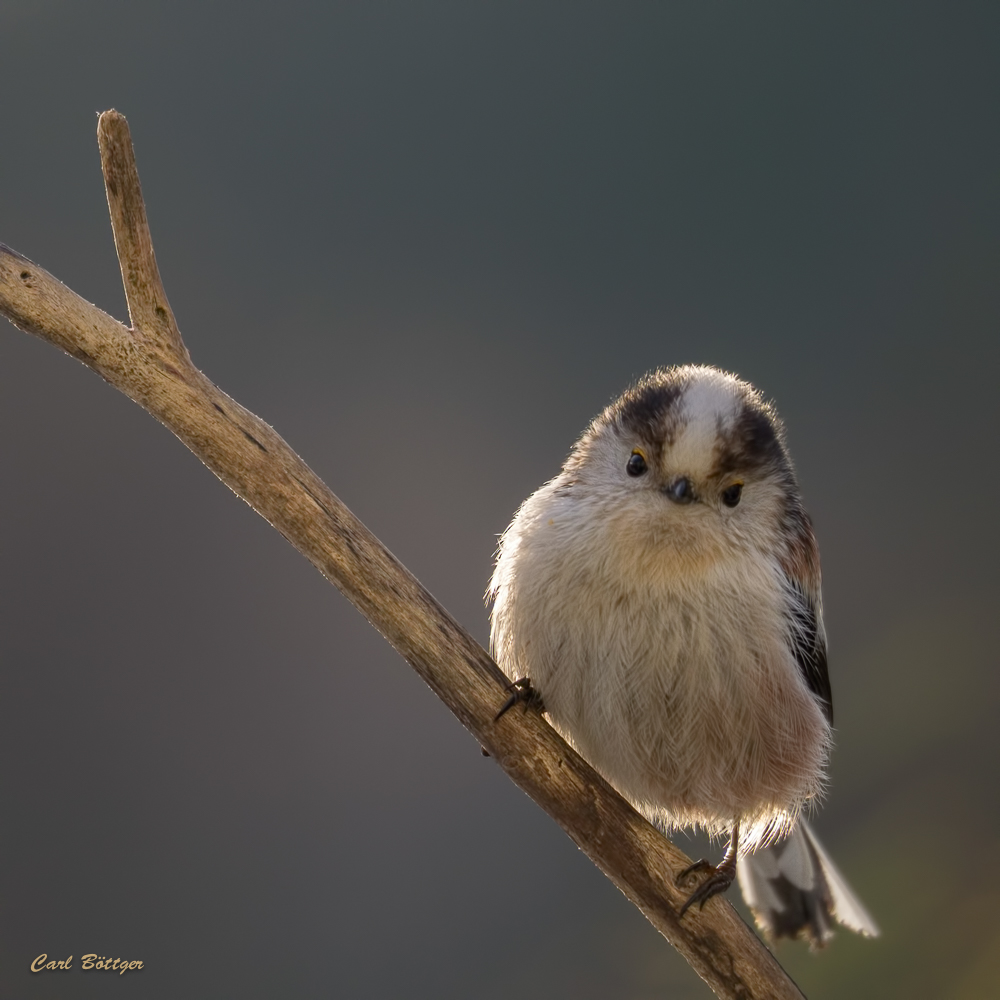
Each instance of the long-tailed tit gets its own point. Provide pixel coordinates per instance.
(662, 597)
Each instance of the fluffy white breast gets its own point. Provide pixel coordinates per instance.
(672, 676)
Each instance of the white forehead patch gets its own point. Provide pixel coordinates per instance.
(711, 400)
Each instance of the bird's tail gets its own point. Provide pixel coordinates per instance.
(795, 890)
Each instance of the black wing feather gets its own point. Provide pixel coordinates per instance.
(809, 647)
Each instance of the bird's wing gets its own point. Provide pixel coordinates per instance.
(808, 639)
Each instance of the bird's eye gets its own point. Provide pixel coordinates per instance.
(731, 496)
(636, 464)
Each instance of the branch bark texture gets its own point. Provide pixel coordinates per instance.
(151, 365)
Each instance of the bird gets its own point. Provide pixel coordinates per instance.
(660, 599)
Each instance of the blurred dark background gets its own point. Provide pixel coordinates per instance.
(427, 242)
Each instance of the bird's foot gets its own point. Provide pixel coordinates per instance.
(521, 692)
(720, 878)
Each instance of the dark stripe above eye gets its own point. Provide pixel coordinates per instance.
(644, 409)
(753, 441)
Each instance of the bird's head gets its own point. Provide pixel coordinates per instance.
(690, 460)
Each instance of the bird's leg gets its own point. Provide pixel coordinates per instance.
(521, 691)
(720, 876)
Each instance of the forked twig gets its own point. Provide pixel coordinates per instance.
(150, 364)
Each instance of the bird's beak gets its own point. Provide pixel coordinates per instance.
(680, 490)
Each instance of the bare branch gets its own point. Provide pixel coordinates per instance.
(148, 308)
(150, 364)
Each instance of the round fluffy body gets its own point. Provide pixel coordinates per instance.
(676, 639)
